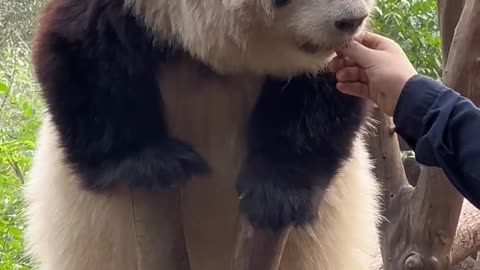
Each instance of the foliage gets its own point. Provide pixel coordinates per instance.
(19, 121)
(18, 125)
(412, 23)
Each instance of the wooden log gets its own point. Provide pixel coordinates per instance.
(160, 240)
(412, 169)
(467, 239)
(384, 146)
(466, 243)
(462, 71)
(467, 264)
(422, 224)
(256, 249)
(448, 15)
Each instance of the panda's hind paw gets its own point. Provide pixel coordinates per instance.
(274, 197)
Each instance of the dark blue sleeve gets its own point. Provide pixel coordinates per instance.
(443, 128)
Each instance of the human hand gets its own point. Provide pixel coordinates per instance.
(375, 68)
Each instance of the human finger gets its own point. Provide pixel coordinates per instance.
(349, 62)
(374, 41)
(336, 64)
(359, 53)
(354, 89)
(352, 74)
(339, 62)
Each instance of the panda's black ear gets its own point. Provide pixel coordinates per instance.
(281, 3)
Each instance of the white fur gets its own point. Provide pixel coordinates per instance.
(251, 35)
(71, 229)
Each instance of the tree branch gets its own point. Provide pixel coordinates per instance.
(466, 243)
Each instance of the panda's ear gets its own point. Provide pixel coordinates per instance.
(281, 3)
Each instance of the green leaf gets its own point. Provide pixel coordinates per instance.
(27, 112)
(3, 88)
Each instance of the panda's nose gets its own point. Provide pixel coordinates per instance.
(349, 25)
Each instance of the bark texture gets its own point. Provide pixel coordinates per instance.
(465, 246)
(467, 240)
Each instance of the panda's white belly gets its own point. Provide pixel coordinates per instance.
(72, 229)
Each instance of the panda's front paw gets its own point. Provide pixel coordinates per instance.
(170, 164)
(274, 196)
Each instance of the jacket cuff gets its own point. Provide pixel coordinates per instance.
(418, 95)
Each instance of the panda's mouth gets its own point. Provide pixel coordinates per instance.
(310, 47)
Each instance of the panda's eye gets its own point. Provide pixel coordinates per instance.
(281, 3)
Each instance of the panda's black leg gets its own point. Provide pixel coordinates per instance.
(300, 132)
(274, 194)
(98, 75)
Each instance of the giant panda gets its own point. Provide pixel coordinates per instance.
(227, 102)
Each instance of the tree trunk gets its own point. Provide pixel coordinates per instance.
(467, 240)
(466, 243)
(468, 264)
(160, 240)
(256, 249)
(422, 220)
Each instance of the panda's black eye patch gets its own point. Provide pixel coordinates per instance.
(281, 3)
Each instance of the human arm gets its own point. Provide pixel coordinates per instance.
(443, 128)
(440, 125)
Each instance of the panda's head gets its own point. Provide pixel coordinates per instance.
(278, 37)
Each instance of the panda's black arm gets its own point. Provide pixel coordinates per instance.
(300, 131)
(96, 67)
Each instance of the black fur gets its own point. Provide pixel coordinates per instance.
(300, 132)
(280, 3)
(97, 67)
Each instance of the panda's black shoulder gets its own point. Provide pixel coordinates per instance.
(97, 64)
(98, 27)
(300, 134)
(90, 57)
(320, 117)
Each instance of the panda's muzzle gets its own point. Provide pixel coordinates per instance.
(350, 25)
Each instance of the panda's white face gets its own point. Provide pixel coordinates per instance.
(278, 37)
